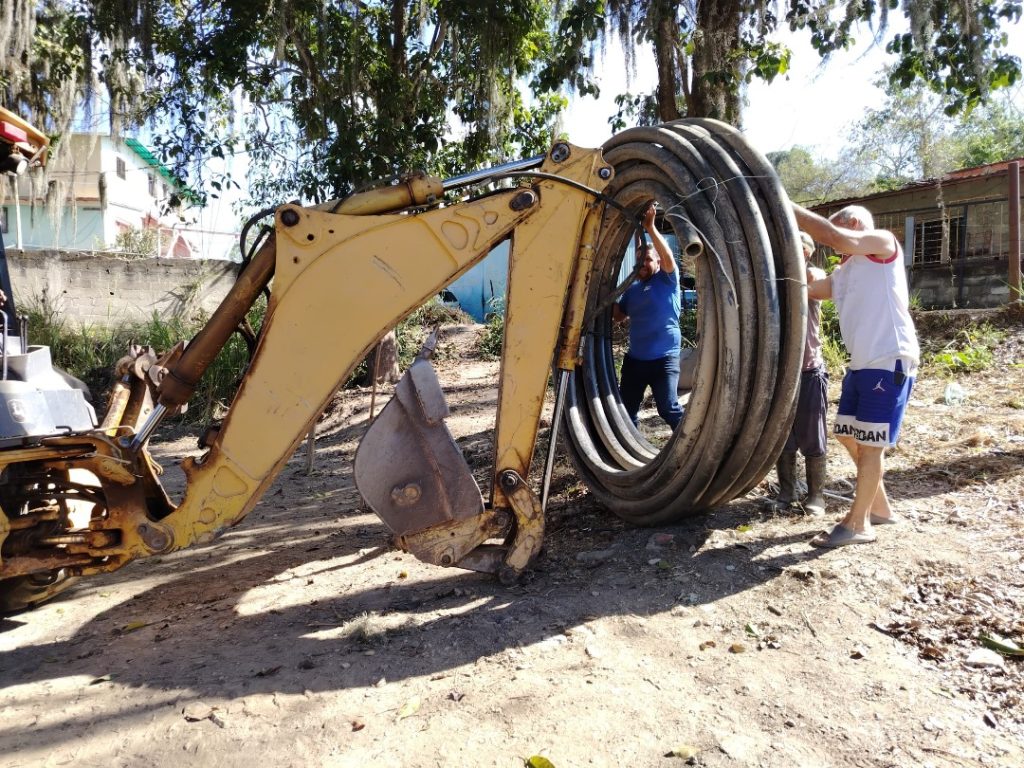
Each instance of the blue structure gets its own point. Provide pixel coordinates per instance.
(480, 290)
(483, 287)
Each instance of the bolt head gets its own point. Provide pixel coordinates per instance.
(560, 152)
(525, 199)
(406, 495)
(154, 538)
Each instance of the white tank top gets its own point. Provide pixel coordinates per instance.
(870, 293)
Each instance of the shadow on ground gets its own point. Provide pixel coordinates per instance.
(197, 630)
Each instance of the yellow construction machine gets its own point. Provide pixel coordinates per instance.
(75, 501)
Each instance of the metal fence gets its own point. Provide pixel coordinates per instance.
(964, 230)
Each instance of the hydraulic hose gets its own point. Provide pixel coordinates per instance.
(728, 210)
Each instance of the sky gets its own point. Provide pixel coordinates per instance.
(812, 106)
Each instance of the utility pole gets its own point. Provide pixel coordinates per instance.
(1013, 171)
(17, 213)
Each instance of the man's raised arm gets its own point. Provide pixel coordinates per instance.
(665, 258)
(852, 242)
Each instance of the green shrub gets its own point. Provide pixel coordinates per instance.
(136, 243)
(836, 357)
(966, 360)
(90, 353)
(830, 322)
(970, 351)
(413, 331)
(832, 348)
(494, 331)
(216, 389)
(688, 325)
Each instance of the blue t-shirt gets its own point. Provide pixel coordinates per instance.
(653, 310)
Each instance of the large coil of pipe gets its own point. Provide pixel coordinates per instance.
(732, 219)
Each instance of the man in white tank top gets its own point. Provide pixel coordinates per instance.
(869, 289)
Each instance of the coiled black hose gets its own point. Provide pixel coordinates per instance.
(752, 309)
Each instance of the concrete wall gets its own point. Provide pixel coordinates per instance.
(974, 283)
(90, 289)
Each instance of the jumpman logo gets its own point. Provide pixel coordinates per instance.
(879, 387)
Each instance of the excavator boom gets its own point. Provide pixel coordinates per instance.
(88, 499)
(340, 280)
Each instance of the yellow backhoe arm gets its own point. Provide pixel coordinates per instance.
(83, 500)
(340, 281)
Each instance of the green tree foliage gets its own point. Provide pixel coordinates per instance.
(704, 52)
(992, 133)
(45, 61)
(707, 51)
(325, 95)
(809, 180)
(322, 95)
(910, 137)
(906, 138)
(137, 243)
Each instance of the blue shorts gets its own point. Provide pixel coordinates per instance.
(872, 404)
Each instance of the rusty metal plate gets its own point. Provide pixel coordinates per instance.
(408, 467)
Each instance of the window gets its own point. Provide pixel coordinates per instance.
(121, 168)
(152, 185)
(957, 233)
(929, 244)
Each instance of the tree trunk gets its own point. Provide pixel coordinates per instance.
(717, 74)
(665, 52)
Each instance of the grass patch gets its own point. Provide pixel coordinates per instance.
(90, 352)
(836, 357)
(832, 348)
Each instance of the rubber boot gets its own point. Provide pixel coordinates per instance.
(786, 469)
(814, 504)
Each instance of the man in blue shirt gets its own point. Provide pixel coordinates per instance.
(652, 305)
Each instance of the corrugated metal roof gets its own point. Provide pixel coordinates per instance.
(982, 170)
(953, 177)
(161, 169)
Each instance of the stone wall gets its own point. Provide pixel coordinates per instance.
(101, 290)
(970, 283)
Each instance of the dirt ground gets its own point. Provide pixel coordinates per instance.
(304, 638)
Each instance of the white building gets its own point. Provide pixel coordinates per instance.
(108, 187)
